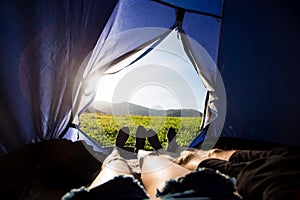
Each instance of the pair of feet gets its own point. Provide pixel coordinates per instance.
(140, 138)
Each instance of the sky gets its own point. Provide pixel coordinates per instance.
(163, 79)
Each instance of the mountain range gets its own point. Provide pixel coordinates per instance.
(133, 109)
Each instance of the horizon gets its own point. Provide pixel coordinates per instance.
(153, 108)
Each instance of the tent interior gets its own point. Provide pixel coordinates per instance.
(246, 53)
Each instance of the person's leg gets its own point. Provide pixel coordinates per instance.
(113, 166)
(251, 155)
(157, 170)
(157, 147)
(191, 158)
(172, 145)
(153, 139)
(115, 181)
(140, 138)
(221, 154)
(171, 138)
(122, 137)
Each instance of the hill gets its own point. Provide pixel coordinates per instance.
(133, 109)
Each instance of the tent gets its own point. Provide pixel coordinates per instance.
(44, 45)
(52, 49)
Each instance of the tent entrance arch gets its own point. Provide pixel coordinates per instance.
(162, 83)
(173, 61)
(146, 41)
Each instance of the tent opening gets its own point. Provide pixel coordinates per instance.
(156, 87)
(146, 65)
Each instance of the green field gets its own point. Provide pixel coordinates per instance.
(104, 128)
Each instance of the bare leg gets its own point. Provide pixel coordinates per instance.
(190, 159)
(171, 137)
(156, 170)
(122, 137)
(221, 154)
(114, 165)
(153, 139)
(140, 138)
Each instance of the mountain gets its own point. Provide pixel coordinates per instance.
(133, 109)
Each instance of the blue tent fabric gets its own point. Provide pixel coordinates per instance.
(259, 62)
(43, 44)
(203, 29)
(209, 7)
(199, 139)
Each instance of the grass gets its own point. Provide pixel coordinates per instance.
(104, 128)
